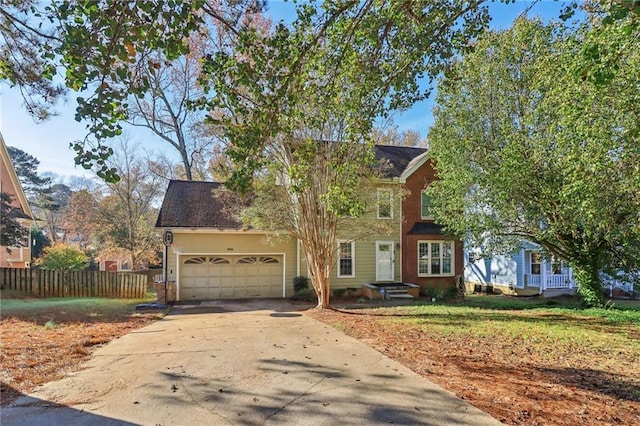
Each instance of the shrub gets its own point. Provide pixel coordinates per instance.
(63, 257)
(305, 295)
(339, 292)
(300, 283)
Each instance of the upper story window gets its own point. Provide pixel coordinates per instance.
(425, 207)
(346, 259)
(385, 210)
(435, 258)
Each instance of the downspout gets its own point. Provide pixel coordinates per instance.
(164, 262)
(297, 257)
(401, 219)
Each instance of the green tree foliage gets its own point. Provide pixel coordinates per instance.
(26, 167)
(63, 257)
(536, 138)
(297, 105)
(103, 50)
(12, 233)
(47, 200)
(39, 241)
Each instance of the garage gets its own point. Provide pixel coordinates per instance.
(205, 277)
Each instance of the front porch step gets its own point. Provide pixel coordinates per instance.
(398, 294)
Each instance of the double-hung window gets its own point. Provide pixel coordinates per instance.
(435, 258)
(425, 206)
(385, 197)
(536, 262)
(346, 259)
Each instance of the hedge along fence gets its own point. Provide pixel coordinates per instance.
(48, 283)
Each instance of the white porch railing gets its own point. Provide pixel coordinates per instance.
(558, 281)
(532, 280)
(550, 281)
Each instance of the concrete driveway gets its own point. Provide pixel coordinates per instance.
(241, 363)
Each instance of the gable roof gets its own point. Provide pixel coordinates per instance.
(24, 211)
(397, 158)
(191, 204)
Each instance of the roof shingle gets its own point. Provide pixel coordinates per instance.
(191, 204)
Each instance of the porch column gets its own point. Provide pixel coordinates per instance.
(543, 275)
(571, 283)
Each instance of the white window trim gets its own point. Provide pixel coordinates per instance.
(531, 263)
(453, 258)
(389, 193)
(421, 216)
(353, 259)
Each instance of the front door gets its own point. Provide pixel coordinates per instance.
(384, 260)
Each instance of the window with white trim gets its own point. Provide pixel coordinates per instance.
(536, 262)
(385, 197)
(425, 206)
(346, 259)
(435, 258)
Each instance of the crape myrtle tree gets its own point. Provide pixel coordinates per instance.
(297, 104)
(537, 137)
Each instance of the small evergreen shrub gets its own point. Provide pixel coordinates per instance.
(339, 292)
(306, 295)
(300, 283)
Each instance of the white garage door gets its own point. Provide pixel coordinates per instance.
(213, 277)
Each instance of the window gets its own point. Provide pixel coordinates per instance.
(435, 258)
(556, 266)
(425, 206)
(384, 204)
(536, 260)
(258, 259)
(346, 264)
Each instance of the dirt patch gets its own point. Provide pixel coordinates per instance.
(509, 380)
(45, 344)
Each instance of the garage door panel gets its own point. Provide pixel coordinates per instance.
(209, 277)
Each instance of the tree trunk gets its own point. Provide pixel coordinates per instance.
(320, 279)
(590, 286)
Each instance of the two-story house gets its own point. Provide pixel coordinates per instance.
(18, 256)
(430, 258)
(212, 256)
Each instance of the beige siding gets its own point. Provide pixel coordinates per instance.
(365, 250)
(225, 243)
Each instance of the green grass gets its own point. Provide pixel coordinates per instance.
(558, 330)
(84, 305)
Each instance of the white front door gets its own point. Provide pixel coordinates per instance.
(384, 260)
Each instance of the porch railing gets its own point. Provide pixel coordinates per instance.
(558, 281)
(532, 280)
(551, 281)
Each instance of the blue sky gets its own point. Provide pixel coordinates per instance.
(49, 141)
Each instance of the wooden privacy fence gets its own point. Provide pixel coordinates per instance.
(47, 283)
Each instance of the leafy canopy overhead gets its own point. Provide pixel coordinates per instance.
(536, 137)
(297, 105)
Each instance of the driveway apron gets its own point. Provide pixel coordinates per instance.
(249, 362)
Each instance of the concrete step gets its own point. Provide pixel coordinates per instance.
(398, 294)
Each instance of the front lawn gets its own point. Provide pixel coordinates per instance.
(43, 339)
(523, 360)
